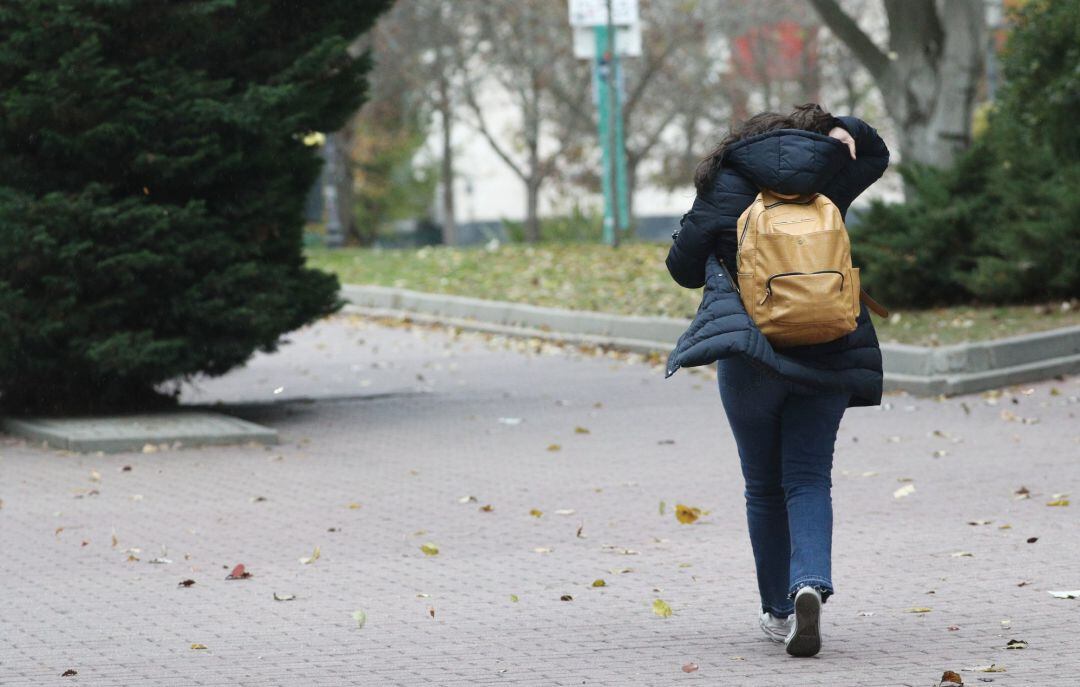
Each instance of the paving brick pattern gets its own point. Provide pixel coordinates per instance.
(405, 422)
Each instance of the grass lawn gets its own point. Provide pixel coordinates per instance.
(632, 280)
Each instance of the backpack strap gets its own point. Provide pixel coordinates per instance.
(878, 308)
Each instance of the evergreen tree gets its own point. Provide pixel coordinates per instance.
(152, 180)
(1003, 223)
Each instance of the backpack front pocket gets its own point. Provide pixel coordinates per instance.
(806, 297)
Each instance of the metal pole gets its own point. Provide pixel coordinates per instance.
(613, 114)
(602, 75)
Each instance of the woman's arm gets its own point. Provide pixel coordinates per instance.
(692, 243)
(871, 157)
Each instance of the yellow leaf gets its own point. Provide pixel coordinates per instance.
(599, 583)
(918, 609)
(906, 490)
(429, 549)
(536, 513)
(554, 447)
(1058, 502)
(686, 514)
(198, 647)
(663, 507)
(660, 608)
(581, 430)
(353, 506)
(514, 598)
(312, 558)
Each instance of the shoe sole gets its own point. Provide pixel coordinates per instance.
(807, 638)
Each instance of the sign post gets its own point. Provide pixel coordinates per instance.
(614, 27)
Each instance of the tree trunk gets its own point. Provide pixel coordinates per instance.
(532, 220)
(929, 78)
(449, 221)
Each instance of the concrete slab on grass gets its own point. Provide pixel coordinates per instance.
(113, 434)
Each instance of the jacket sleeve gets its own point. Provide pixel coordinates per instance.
(871, 159)
(692, 243)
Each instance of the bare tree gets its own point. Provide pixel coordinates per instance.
(928, 76)
(521, 50)
(421, 75)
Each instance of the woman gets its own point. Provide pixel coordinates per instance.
(784, 405)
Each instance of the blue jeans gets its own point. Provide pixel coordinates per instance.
(785, 433)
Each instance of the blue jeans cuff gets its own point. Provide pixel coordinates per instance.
(819, 583)
(778, 612)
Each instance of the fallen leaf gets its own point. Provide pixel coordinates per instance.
(599, 583)
(940, 453)
(1032, 540)
(126, 468)
(1058, 502)
(467, 499)
(554, 447)
(1006, 526)
(353, 506)
(512, 421)
(284, 597)
(565, 511)
(689, 667)
(992, 668)
(514, 598)
(581, 430)
(979, 522)
(198, 647)
(431, 612)
(620, 571)
(186, 583)
(918, 609)
(579, 535)
(963, 554)
(1016, 644)
(360, 617)
(308, 560)
(661, 608)
(1075, 594)
(160, 560)
(536, 513)
(906, 490)
(429, 549)
(663, 507)
(950, 677)
(487, 508)
(95, 476)
(1023, 583)
(257, 499)
(238, 573)
(542, 549)
(1022, 493)
(566, 597)
(686, 514)
(952, 628)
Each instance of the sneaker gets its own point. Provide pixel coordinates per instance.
(776, 629)
(805, 636)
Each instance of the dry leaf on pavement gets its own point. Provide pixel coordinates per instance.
(1075, 594)
(689, 667)
(429, 549)
(686, 514)
(238, 573)
(284, 597)
(661, 608)
(308, 560)
(906, 490)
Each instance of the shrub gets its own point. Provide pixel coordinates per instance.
(152, 182)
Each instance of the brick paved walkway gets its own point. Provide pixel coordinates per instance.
(406, 423)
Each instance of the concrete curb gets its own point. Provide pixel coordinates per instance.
(923, 370)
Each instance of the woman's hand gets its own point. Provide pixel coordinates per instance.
(841, 134)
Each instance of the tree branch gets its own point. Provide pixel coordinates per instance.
(845, 28)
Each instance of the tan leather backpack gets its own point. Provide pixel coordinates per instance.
(794, 270)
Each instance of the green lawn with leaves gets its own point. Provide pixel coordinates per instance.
(632, 280)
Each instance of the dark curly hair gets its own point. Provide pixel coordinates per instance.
(810, 117)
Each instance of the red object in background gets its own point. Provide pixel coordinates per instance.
(782, 51)
(238, 573)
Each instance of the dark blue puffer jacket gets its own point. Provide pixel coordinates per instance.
(786, 161)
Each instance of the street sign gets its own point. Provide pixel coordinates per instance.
(627, 41)
(595, 12)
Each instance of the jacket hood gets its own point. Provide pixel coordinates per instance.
(787, 160)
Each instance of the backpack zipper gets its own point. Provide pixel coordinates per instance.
(768, 282)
